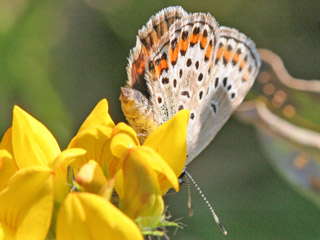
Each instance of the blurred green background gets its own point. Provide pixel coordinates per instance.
(59, 58)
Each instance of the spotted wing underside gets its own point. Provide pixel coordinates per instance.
(194, 65)
(235, 67)
(135, 96)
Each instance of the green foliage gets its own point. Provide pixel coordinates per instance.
(26, 43)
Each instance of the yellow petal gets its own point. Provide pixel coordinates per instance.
(2, 233)
(89, 216)
(107, 190)
(124, 138)
(7, 167)
(6, 142)
(33, 143)
(98, 116)
(141, 189)
(124, 128)
(119, 183)
(26, 205)
(60, 167)
(91, 177)
(170, 141)
(120, 144)
(166, 176)
(95, 140)
(145, 221)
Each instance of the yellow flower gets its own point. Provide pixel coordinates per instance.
(30, 179)
(144, 175)
(98, 116)
(7, 164)
(33, 144)
(91, 178)
(169, 140)
(7, 167)
(102, 156)
(164, 150)
(117, 151)
(60, 166)
(26, 204)
(142, 197)
(6, 142)
(89, 216)
(98, 130)
(94, 136)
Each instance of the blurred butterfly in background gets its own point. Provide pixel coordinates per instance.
(286, 114)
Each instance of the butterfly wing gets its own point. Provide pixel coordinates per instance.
(292, 99)
(194, 65)
(135, 96)
(183, 67)
(236, 64)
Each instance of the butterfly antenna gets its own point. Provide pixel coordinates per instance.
(189, 197)
(224, 231)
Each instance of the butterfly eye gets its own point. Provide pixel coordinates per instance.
(151, 66)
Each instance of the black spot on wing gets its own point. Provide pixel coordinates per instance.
(214, 107)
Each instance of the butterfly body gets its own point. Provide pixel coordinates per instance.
(186, 61)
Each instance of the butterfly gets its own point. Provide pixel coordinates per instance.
(187, 61)
(285, 111)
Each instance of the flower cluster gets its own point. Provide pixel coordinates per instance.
(104, 185)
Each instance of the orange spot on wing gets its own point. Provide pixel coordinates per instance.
(157, 68)
(236, 58)
(268, 89)
(208, 51)
(301, 161)
(245, 77)
(141, 67)
(279, 98)
(174, 54)
(138, 66)
(163, 65)
(220, 51)
(242, 64)
(289, 111)
(183, 44)
(227, 55)
(203, 41)
(194, 38)
(264, 77)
